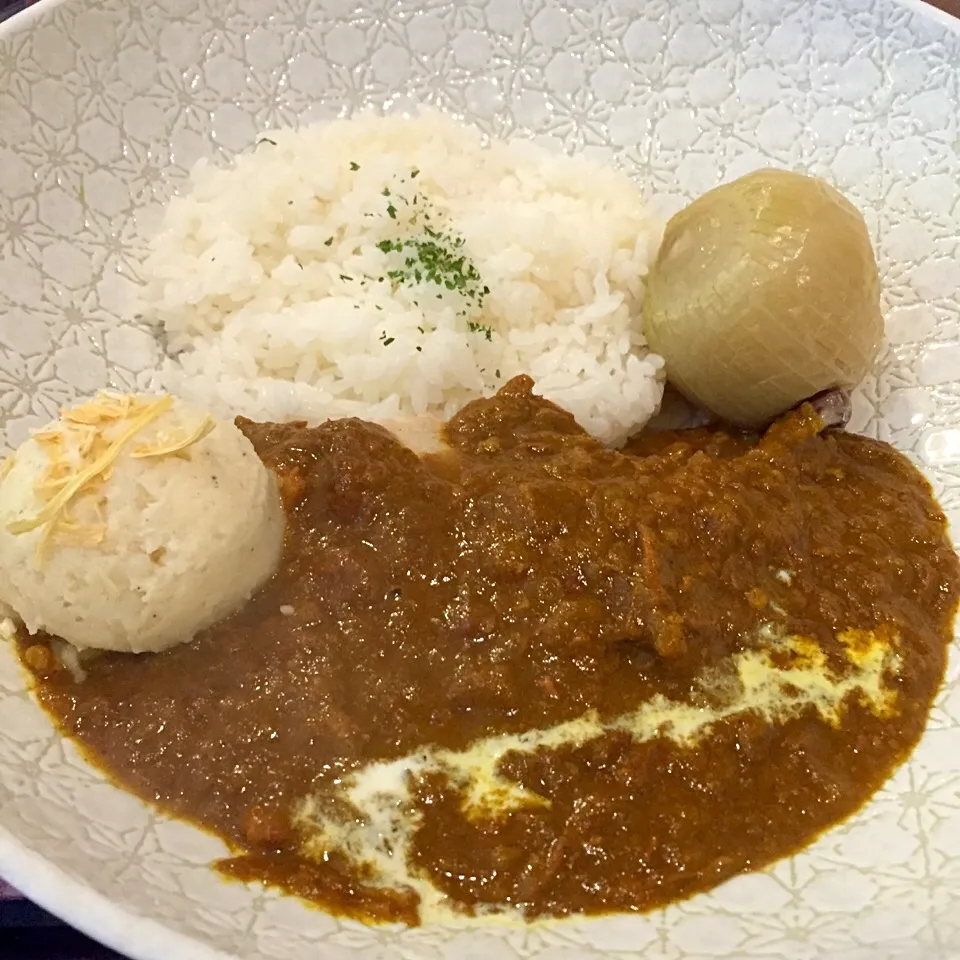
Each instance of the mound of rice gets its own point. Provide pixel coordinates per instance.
(383, 267)
(119, 524)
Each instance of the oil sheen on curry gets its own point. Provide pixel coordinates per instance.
(527, 673)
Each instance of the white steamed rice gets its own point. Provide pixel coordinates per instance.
(275, 299)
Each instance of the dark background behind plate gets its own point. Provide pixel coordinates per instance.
(26, 931)
(29, 933)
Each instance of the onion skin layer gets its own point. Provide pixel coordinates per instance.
(765, 291)
(834, 407)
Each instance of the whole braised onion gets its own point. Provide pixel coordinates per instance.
(765, 291)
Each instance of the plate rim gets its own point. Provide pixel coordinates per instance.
(920, 7)
(93, 914)
(25, 18)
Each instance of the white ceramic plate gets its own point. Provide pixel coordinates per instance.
(104, 106)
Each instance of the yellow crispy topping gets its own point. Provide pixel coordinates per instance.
(87, 439)
(91, 461)
(106, 407)
(52, 515)
(53, 479)
(168, 445)
(77, 534)
(6, 465)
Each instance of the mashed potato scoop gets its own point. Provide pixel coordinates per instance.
(132, 522)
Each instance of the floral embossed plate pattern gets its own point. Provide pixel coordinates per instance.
(103, 108)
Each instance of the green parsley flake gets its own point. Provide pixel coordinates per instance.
(475, 327)
(436, 257)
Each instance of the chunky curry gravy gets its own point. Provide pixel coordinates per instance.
(671, 664)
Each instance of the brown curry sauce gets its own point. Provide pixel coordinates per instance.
(515, 581)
